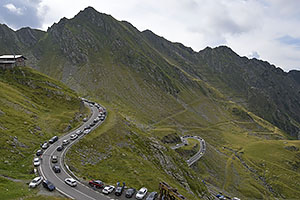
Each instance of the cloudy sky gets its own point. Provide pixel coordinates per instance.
(265, 29)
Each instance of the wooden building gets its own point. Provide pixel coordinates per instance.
(10, 61)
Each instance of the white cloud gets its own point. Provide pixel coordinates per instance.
(12, 8)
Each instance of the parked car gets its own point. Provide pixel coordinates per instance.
(45, 145)
(53, 139)
(54, 159)
(141, 193)
(152, 196)
(35, 182)
(119, 189)
(79, 132)
(73, 136)
(65, 142)
(108, 189)
(71, 182)
(96, 120)
(56, 169)
(96, 183)
(87, 131)
(36, 162)
(92, 124)
(221, 197)
(48, 185)
(85, 119)
(102, 118)
(130, 192)
(39, 152)
(60, 148)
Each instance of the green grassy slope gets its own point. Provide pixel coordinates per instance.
(148, 93)
(156, 91)
(33, 108)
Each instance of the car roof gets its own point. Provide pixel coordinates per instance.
(37, 178)
(152, 194)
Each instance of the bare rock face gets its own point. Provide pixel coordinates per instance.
(76, 47)
(291, 148)
(17, 143)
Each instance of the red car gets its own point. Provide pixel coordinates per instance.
(96, 183)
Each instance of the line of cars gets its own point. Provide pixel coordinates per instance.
(38, 180)
(48, 185)
(119, 189)
(54, 159)
(37, 161)
(224, 197)
(39, 153)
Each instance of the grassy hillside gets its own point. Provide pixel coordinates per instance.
(156, 91)
(33, 108)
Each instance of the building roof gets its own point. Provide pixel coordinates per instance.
(7, 61)
(11, 57)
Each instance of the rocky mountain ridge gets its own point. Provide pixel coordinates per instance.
(264, 89)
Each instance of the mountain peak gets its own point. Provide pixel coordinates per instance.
(90, 12)
(90, 9)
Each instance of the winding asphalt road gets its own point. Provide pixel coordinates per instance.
(81, 191)
(199, 154)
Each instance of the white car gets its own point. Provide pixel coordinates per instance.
(78, 132)
(35, 182)
(45, 145)
(108, 189)
(71, 182)
(87, 131)
(36, 162)
(65, 142)
(141, 193)
(73, 136)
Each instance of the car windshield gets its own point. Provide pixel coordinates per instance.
(35, 180)
(142, 192)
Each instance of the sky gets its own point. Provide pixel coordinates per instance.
(265, 29)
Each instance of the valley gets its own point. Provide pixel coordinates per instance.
(246, 110)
